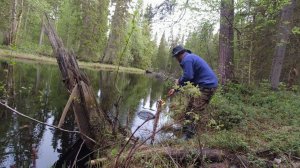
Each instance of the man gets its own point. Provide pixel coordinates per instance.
(199, 73)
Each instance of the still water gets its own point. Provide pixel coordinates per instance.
(37, 91)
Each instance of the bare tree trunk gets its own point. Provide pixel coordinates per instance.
(283, 37)
(11, 34)
(42, 32)
(25, 24)
(19, 20)
(226, 41)
(250, 63)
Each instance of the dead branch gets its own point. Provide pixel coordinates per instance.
(127, 161)
(168, 153)
(74, 94)
(242, 162)
(75, 160)
(156, 120)
(99, 149)
(129, 155)
(52, 126)
(123, 148)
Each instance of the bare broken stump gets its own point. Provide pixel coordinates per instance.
(90, 119)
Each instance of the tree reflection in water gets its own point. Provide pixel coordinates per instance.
(37, 91)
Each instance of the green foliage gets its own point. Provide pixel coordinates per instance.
(255, 161)
(247, 117)
(296, 30)
(5, 15)
(83, 27)
(2, 89)
(33, 48)
(180, 103)
(189, 90)
(40, 5)
(117, 37)
(203, 42)
(226, 140)
(163, 56)
(68, 26)
(93, 22)
(285, 139)
(274, 115)
(142, 48)
(227, 114)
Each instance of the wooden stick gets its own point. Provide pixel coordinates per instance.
(156, 120)
(75, 161)
(129, 156)
(121, 151)
(74, 94)
(242, 162)
(52, 126)
(168, 153)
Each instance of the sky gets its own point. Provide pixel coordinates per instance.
(182, 21)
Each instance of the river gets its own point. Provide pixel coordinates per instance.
(36, 90)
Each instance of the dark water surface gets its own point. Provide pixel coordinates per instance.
(37, 91)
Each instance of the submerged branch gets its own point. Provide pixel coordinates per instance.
(75, 161)
(49, 125)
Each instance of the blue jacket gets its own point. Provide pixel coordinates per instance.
(197, 71)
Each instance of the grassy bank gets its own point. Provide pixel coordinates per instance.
(253, 122)
(8, 54)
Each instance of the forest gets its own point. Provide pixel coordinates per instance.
(81, 73)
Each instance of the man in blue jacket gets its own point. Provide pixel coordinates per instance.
(199, 73)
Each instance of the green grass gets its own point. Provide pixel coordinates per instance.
(252, 118)
(9, 54)
(256, 118)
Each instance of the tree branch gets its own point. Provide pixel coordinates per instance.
(49, 125)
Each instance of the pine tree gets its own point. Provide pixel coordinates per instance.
(142, 48)
(283, 37)
(162, 54)
(94, 29)
(226, 41)
(117, 34)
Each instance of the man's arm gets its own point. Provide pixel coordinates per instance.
(188, 73)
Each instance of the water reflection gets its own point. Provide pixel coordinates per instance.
(146, 130)
(37, 91)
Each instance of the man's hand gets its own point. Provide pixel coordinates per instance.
(176, 81)
(171, 92)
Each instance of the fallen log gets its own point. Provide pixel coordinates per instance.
(181, 155)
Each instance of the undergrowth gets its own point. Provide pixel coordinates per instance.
(251, 118)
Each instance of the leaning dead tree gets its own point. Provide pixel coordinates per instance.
(91, 120)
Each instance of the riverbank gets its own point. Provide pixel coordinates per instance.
(244, 126)
(8, 54)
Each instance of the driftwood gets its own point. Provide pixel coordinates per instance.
(90, 119)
